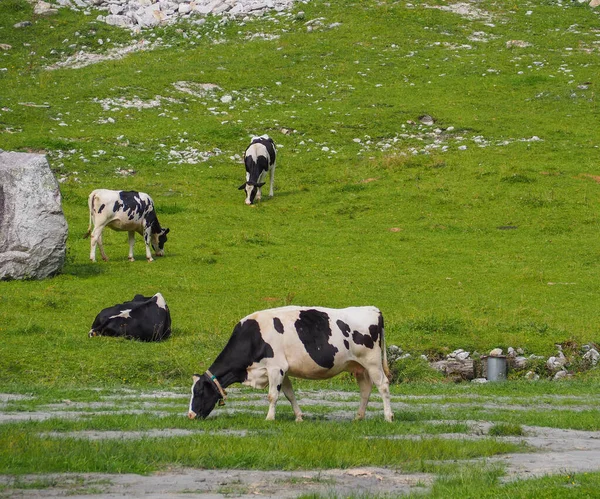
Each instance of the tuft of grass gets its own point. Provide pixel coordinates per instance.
(506, 430)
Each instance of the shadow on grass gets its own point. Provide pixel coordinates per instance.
(83, 270)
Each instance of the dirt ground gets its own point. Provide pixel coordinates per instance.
(556, 451)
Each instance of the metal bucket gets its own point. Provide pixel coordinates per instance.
(497, 368)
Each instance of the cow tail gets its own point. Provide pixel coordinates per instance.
(91, 208)
(386, 368)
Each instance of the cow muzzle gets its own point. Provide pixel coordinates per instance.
(192, 415)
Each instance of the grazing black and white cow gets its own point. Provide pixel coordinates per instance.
(129, 211)
(259, 159)
(271, 346)
(143, 318)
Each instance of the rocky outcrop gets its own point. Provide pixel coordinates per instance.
(33, 229)
(136, 14)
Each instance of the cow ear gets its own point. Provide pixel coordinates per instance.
(260, 185)
(243, 186)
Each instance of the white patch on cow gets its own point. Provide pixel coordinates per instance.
(160, 301)
(257, 376)
(124, 314)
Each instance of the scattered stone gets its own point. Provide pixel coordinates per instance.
(556, 363)
(561, 375)
(519, 363)
(591, 356)
(594, 3)
(44, 9)
(456, 369)
(33, 229)
(394, 353)
(83, 59)
(426, 120)
(517, 43)
(226, 99)
(496, 352)
(5, 46)
(479, 381)
(533, 376)
(22, 24)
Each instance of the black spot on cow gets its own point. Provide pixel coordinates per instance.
(245, 347)
(347, 345)
(133, 204)
(314, 332)
(362, 339)
(281, 371)
(102, 206)
(344, 328)
(376, 330)
(269, 145)
(117, 206)
(278, 325)
(278, 388)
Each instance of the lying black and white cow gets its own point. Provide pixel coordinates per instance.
(271, 346)
(129, 211)
(259, 159)
(143, 318)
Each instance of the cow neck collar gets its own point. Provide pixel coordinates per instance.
(214, 379)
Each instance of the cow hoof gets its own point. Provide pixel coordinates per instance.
(299, 419)
(131, 259)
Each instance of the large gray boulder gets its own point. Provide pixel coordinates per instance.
(33, 229)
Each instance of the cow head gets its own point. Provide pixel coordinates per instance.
(252, 189)
(205, 396)
(158, 242)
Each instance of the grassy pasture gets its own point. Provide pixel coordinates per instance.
(478, 231)
(469, 233)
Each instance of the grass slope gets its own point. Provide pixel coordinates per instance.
(476, 232)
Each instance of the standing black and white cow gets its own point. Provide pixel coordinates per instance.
(271, 346)
(259, 159)
(143, 318)
(129, 211)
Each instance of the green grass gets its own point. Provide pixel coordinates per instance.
(477, 248)
(295, 447)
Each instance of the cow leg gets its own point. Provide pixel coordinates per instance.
(147, 240)
(276, 377)
(288, 391)
(131, 244)
(366, 385)
(93, 242)
(101, 245)
(271, 180)
(97, 240)
(383, 385)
